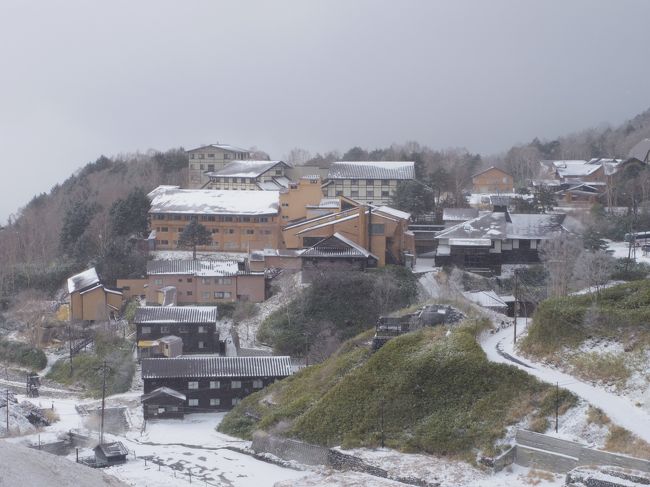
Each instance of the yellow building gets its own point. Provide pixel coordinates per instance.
(210, 158)
(90, 300)
(300, 197)
(240, 221)
(381, 230)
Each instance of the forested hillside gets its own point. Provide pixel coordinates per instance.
(85, 220)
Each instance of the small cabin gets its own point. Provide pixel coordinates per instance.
(109, 454)
(163, 402)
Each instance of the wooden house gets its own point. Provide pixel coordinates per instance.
(493, 180)
(484, 243)
(90, 300)
(108, 454)
(212, 382)
(335, 253)
(195, 325)
(163, 403)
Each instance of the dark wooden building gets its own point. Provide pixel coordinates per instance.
(108, 454)
(163, 403)
(484, 243)
(335, 253)
(213, 382)
(195, 325)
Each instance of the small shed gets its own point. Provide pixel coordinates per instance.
(488, 299)
(171, 346)
(163, 402)
(110, 454)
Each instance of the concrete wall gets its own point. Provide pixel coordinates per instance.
(289, 449)
(548, 453)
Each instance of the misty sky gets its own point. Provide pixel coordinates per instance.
(79, 79)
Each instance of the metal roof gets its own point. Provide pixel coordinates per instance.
(115, 449)
(245, 169)
(372, 170)
(203, 268)
(641, 151)
(215, 366)
(337, 246)
(176, 314)
(83, 280)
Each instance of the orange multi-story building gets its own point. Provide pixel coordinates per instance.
(240, 221)
(299, 197)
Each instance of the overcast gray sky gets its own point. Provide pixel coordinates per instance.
(79, 79)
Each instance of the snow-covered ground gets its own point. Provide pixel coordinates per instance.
(620, 409)
(621, 250)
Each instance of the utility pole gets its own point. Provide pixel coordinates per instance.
(514, 338)
(70, 340)
(557, 403)
(381, 421)
(7, 391)
(101, 428)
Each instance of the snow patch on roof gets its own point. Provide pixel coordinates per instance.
(83, 280)
(215, 202)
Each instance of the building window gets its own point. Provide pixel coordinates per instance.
(146, 330)
(227, 281)
(385, 194)
(189, 279)
(236, 384)
(226, 295)
(158, 282)
(235, 401)
(354, 193)
(376, 229)
(210, 156)
(193, 384)
(215, 384)
(189, 293)
(183, 329)
(258, 384)
(205, 280)
(370, 182)
(192, 402)
(164, 229)
(339, 192)
(249, 231)
(215, 401)
(206, 294)
(218, 294)
(370, 193)
(201, 156)
(201, 344)
(215, 230)
(164, 329)
(191, 156)
(202, 329)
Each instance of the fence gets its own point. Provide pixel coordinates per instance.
(556, 455)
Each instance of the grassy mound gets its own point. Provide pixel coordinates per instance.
(22, 354)
(619, 312)
(86, 367)
(437, 393)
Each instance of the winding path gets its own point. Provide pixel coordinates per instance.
(499, 348)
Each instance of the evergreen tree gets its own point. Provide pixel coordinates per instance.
(130, 215)
(413, 197)
(194, 235)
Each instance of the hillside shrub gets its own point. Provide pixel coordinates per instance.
(22, 354)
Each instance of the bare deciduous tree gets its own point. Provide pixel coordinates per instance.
(558, 256)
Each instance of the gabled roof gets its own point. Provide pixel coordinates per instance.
(641, 151)
(495, 226)
(161, 392)
(487, 299)
(490, 169)
(215, 202)
(337, 246)
(176, 314)
(110, 450)
(83, 280)
(459, 214)
(372, 170)
(246, 169)
(202, 268)
(226, 147)
(214, 366)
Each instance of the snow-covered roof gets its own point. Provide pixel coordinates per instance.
(459, 214)
(176, 314)
(163, 391)
(487, 299)
(83, 280)
(536, 226)
(372, 170)
(202, 268)
(495, 226)
(337, 246)
(394, 212)
(226, 147)
(216, 202)
(215, 366)
(245, 169)
(641, 151)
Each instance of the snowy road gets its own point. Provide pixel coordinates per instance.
(499, 348)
